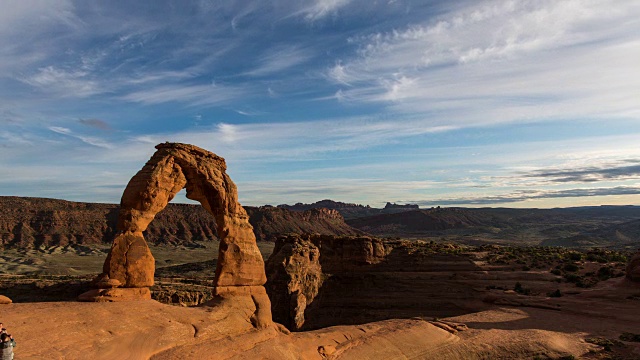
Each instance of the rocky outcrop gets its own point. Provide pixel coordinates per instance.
(633, 269)
(300, 263)
(240, 268)
(317, 281)
(270, 222)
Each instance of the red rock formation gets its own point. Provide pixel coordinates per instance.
(296, 272)
(240, 268)
(270, 222)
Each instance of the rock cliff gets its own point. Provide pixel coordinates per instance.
(269, 222)
(32, 222)
(316, 281)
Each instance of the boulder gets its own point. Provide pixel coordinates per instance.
(5, 300)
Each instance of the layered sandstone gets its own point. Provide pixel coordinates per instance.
(270, 222)
(240, 268)
(39, 222)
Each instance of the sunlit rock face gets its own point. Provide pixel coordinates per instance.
(173, 167)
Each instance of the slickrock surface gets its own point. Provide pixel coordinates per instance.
(150, 330)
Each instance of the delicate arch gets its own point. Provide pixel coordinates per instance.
(173, 167)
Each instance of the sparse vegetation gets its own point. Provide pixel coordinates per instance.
(607, 344)
(631, 337)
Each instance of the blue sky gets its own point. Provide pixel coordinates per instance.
(452, 103)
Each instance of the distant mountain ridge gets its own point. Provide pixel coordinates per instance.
(350, 210)
(608, 226)
(33, 222)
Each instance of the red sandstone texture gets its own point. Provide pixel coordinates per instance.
(240, 268)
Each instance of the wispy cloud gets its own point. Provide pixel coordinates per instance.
(322, 8)
(279, 59)
(191, 94)
(525, 195)
(86, 139)
(72, 83)
(502, 61)
(590, 174)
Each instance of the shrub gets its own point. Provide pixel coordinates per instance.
(556, 272)
(572, 278)
(575, 256)
(605, 273)
(630, 337)
(555, 293)
(571, 267)
(521, 290)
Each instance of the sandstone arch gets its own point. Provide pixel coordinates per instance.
(240, 268)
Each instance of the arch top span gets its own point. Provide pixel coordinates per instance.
(172, 167)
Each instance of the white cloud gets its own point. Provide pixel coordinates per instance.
(279, 59)
(503, 61)
(190, 94)
(322, 8)
(65, 83)
(91, 140)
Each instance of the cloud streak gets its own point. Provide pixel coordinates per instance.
(527, 195)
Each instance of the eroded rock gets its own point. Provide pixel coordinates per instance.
(298, 266)
(240, 268)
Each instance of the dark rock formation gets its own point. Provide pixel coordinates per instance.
(397, 206)
(633, 269)
(317, 281)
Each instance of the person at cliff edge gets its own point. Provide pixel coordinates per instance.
(6, 345)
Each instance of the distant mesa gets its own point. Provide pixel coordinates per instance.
(398, 206)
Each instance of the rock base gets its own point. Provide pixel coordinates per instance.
(261, 317)
(116, 294)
